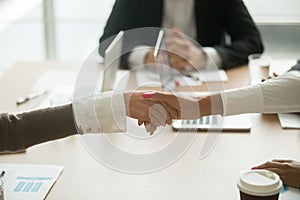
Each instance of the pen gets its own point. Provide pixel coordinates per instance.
(193, 77)
(22, 100)
(2, 174)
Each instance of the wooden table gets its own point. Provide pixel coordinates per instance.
(212, 178)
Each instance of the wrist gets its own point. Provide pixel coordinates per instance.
(149, 58)
(126, 96)
(202, 56)
(204, 104)
(210, 105)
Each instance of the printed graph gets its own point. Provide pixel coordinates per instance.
(30, 184)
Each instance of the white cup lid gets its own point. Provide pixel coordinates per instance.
(259, 183)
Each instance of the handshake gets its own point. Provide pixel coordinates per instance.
(154, 109)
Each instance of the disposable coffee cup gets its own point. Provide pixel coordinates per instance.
(259, 185)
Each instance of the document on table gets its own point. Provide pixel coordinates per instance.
(150, 77)
(289, 120)
(210, 75)
(29, 182)
(289, 193)
(52, 79)
(60, 84)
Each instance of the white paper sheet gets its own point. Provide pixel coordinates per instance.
(59, 84)
(289, 120)
(289, 193)
(150, 78)
(52, 79)
(29, 182)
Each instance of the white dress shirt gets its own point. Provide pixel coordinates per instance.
(180, 14)
(277, 95)
(104, 112)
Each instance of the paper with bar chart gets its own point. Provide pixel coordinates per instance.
(29, 181)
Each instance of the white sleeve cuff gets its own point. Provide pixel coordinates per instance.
(137, 56)
(213, 58)
(244, 100)
(104, 112)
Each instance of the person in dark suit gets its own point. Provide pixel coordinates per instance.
(209, 22)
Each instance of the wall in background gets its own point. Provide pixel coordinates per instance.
(279, 24)
(78, 26)
(281, 41)
(274, 11)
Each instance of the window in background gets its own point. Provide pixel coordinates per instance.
(79, 25)
(21, 31)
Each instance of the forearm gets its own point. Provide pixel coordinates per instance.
(276, 95)
(26, 129)
(100, 113)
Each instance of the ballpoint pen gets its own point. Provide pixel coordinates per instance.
(2, 174)
(33, 95)
(195, 78)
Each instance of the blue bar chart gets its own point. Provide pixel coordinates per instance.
(30, 184)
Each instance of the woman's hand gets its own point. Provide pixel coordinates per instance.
(288, 170)
(147, 111)
(183, 54)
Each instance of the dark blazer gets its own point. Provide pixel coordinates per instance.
(214, 18)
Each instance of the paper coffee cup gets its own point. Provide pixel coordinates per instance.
(259, 185)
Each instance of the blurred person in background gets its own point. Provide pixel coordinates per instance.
(224, 29)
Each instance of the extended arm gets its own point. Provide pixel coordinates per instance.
(275, 95)
(101, 113)
(26, 129)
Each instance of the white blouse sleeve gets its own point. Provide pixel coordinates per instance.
(213, 58)
(104, 112)
(277, 95)
(137, 55)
